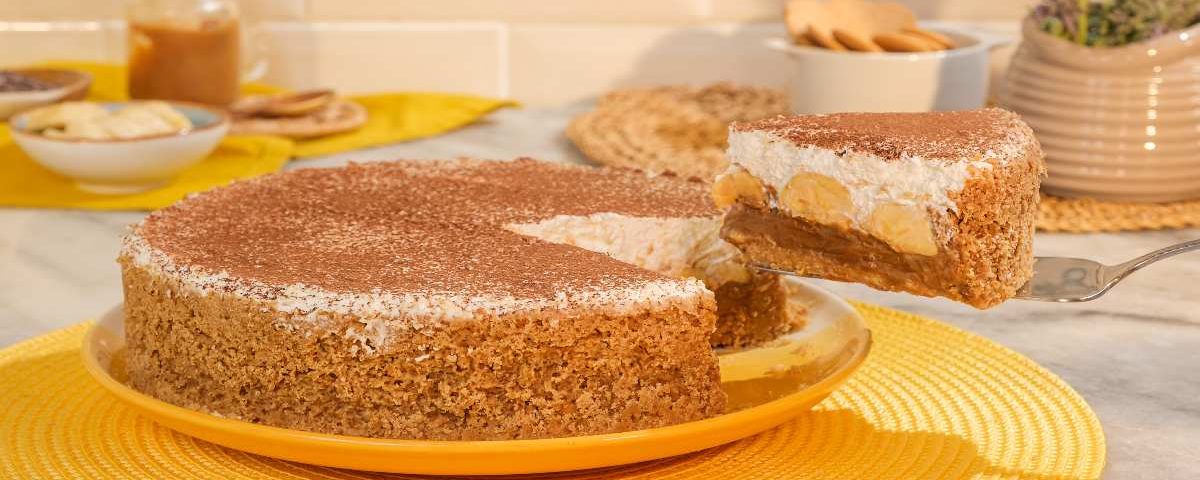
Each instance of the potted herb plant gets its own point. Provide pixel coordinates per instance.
(1112, 89)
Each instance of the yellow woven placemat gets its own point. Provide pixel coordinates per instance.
(931, 402)
(682, 129)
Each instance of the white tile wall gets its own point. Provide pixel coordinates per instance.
(29, 42)
(557, 63)
(13, 10)
(541, 52)
(626, 11)
(583, 11)
(275, 10)
(365, 57)
(48, 10)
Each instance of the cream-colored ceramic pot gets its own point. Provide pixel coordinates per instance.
(1116, 123)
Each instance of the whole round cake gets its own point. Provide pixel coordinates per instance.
(458, 299)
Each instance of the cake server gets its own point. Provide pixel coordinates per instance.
(1062, 279)
(1059, 279)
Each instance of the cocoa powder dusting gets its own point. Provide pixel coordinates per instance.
(946, 136)
(416, 226)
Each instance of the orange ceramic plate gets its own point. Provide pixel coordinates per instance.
(767, 386)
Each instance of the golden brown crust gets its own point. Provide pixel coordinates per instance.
(511, 377)
(755, 312)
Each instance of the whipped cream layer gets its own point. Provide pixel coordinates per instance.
(870, 179)
(676, 247)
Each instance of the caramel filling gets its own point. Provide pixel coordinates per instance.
(822, 199)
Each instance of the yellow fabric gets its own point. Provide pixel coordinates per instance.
(397, 117)
(394, 117)
(25, 183)
(931, 402)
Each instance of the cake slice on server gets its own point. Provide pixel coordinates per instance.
(935, 204)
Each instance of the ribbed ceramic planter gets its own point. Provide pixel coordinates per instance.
(1116, 123)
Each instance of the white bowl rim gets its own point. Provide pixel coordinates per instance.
(983, 42)
(81, 77)
(221, 115)
(16, 96)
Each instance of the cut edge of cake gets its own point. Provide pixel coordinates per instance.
(752, 306)
(937, 204)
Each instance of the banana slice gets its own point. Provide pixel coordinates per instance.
(905, 228)
(170, 115)
(818, 198)
(57, 116)
(86, 120)
(731, 186)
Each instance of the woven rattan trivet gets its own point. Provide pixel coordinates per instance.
(1081, 215)
(678, 129)
(682, 129)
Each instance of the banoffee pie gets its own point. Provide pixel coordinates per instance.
(935, 204)
(451, 300)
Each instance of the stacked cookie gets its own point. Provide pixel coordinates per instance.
(857, 25)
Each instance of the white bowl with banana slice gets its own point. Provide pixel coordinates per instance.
(119, 147)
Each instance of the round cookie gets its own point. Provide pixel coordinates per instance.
(855, 42)
(899, 42)
(941, 40)
(337, 117)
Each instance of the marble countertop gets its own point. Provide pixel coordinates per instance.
(1134, 354)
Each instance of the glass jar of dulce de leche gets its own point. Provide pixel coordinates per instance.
(187, 50)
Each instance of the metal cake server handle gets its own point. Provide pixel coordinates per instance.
(1060, 279)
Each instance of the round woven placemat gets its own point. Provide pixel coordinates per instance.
(1081, 215)
(677, 128)
(682, 130)
(931, 402)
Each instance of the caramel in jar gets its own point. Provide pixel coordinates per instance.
(196, 61)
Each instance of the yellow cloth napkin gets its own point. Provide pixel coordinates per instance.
(397, 117)
(393, 117)
(25, 183)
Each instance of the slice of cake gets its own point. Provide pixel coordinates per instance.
(438, 300)
(750, 304)
(936, 204)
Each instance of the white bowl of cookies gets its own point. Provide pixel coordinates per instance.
(119, 147)
(859, 56)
